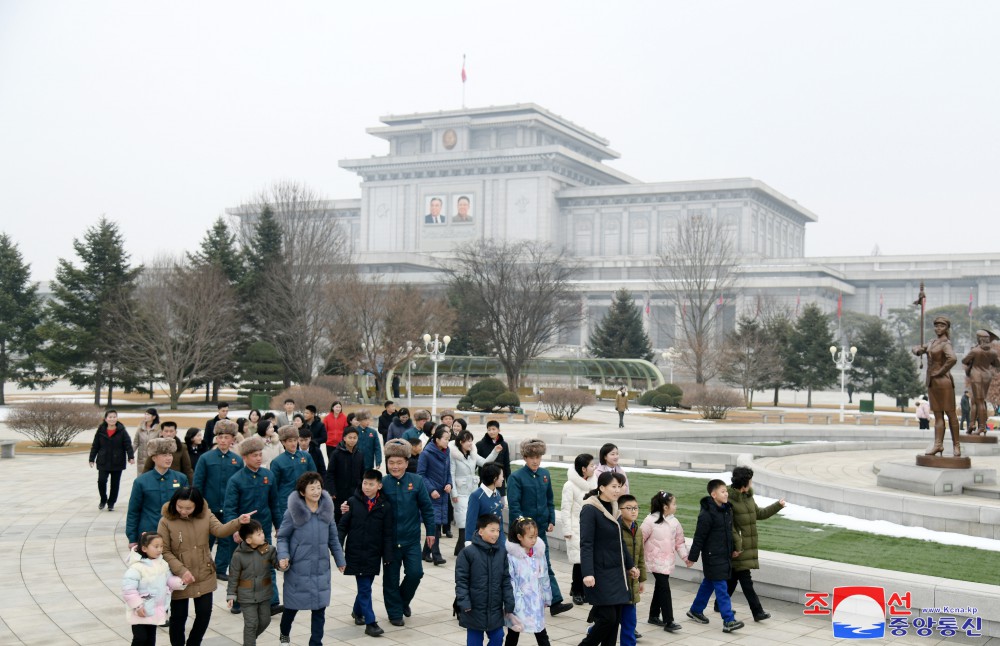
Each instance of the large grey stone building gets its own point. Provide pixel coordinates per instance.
(521, 172)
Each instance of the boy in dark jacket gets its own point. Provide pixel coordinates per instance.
(414, 459)
(714, 537)
(251, 582)
(632, 537)
(488, 444)
(484, 595)
(367, 529)
(343, 474)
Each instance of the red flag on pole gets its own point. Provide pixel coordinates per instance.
(970, 302)
(463, 68)
(840, 304)
(647, 304)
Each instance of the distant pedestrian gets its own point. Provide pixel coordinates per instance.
(108, 452)
(195, 446)
(149, 429)
(386, 418)
(318, 432)
(335, 423)
(223, 413)
(369, 441)
(621, 404)
(966, 404)
(146, 589)
(923, 413)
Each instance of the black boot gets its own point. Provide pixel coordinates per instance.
(460, 543)
(542, 638)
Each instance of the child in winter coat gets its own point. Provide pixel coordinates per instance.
(529, 577)
(632, 537)
(250, 581)
(483, 591)
(713, 538)
(367, 527)
(146, 589)
(663, 539)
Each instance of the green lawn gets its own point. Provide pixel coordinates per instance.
(821, 541)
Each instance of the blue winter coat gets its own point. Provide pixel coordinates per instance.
(529, 494)
(482, 585)
(434, 466)
(248, 491)
(304, 539)
(149, 492)
(396, 429)
(212, 474)
(481, 503)
(370, 445)
(287, 468)
(410, 503)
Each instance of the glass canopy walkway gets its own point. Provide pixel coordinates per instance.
(635, 373)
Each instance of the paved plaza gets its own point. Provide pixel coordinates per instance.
(64, 564)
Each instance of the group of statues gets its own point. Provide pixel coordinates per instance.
(981, 363)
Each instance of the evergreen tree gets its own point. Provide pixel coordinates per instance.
(871, 363)
(902, 379)
(778, 329)
(262, 254)
(751, 361)
(262, 370)
(619, 335)
(471, 336)
(78, 321)
(808, 366)
(20, 315)
(218, 249)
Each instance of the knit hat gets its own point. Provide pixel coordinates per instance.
(287, 432)
(251, 444)
(398, 448)
(161, 446)
(532, 448)
(225, 427)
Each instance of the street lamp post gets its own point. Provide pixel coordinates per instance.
(435, 352)
(843, 360)
(669, 355)
(409, 364)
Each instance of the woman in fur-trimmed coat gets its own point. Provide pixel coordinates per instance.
(579, 480)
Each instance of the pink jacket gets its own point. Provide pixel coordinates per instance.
(662, 541)
(147, 584)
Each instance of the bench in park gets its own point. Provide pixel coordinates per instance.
(780, 416)
(7, 448)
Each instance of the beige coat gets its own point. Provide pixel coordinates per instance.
(142, 437)
(621, 402)
(185, 548)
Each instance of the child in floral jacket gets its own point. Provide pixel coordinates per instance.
(529, 576)
(146, 589)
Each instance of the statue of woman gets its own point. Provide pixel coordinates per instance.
(980, 366)
(940, 360)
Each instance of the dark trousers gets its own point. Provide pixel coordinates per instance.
(363, 601)
(576, 587)
(102, 485)
(662, 606)
(605, 630)
(398, 595)
(433, 552)
(746, 582)
(925, 423)
(475, 637)
(965, 420)
(179, 615)
(225, 548)
(541, 638)
(621, 419)
(556, 594)
(256, 619)
(317, 623)
(143, 634)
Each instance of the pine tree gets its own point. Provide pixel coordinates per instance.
(871, 364)
(902, 379)
(619, 335)
(261, 370)
(751, 361)
(218, 249)
(779, 330)
(809, 366)
(20, 315)
(262, 254)
(82, 344)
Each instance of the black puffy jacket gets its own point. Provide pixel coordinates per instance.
(603, 554)
(110, 453)
(713, 539)
(343, 473)
(482, 585)
(368, 534)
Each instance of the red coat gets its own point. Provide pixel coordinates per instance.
(335, 428)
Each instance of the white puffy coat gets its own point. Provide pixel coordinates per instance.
(465, 480)
(569, 511)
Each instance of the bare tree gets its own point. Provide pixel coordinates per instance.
(377, 318)
(294, 287)
(522, 292)
(698, 270)
(181, 324)
(752, 358)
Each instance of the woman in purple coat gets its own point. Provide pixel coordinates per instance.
(434, 466)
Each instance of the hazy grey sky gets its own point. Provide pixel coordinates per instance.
(880, 117)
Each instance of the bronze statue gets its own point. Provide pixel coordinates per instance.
(980, 366)
(940, 360)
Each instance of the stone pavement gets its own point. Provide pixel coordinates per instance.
(64, 562)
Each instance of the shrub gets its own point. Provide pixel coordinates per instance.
(488, 395)
(663, 397)
(321, 398)
(564, 403)
(713, 402)
(53, 422)
(339, 386)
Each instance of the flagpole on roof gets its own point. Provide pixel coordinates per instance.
(463, 81)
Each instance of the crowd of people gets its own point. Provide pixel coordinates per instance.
(378, 501)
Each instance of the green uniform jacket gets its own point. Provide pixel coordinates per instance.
(633, 543)
(410, 504)
(249, 491)
(287, 468)
(746, 513)
(529, 494)
(212, 474)
(149, 492)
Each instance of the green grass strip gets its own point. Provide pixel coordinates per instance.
(777, 534)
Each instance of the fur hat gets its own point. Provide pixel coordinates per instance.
(532, 448)
(287, 432)
(398, 448)
(161, 446)
(251, 444)
(226, 426)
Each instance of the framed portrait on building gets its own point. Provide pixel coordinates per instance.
(433, 209)
(462, 208)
